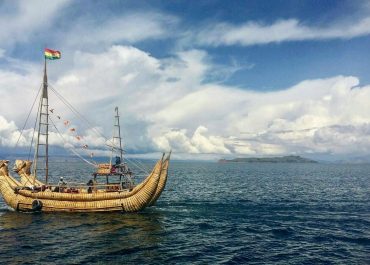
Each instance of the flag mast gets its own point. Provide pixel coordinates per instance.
(42, 143)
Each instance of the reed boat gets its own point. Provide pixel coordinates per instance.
(110, 188)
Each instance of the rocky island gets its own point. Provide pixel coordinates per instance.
(281, 159)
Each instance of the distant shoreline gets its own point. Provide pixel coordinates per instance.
(280, 159)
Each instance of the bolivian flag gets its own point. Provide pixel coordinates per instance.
(52, 55)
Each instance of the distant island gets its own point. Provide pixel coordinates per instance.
(281, 159)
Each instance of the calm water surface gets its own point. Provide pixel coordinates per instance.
(211, 213)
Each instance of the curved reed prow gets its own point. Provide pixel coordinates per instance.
(22, 167)
(4, 171)
(4, 175)
(162, 180)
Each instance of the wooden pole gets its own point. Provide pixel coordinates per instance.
(46, 97)
(43, 123)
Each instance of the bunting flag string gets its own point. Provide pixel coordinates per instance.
(73, 131)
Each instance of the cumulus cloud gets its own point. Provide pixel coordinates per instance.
(13, 137)
(165, 104)
(8, 132)
(18, 90)
(121, 76)
(254, 33)
(198, 143)
(310, 118)
(296, 120)
(175, 102)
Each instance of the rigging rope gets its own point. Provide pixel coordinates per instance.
(137, 164)
(34, 130)
(65, 142)
(66, 123)
(80, 116)
(28, 116)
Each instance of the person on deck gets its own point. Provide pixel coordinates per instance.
(118, 160)
(61, 185)
(90, 185)
(116, 166)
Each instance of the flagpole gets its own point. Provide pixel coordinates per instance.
(45, 92)
(43, 129)
(43, 117)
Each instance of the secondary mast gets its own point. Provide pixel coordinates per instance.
(117, 136)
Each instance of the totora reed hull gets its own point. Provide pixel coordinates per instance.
(144, 194)
(111, 187)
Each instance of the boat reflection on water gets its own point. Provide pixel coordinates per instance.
(82, 236)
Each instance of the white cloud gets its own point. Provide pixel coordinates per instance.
(17, 91)
(97, 82)
(128, 28)
(52, 23)
(170, 103)
(198, 143)
(10, 138)
(8, 133)
(298, 120)
(165, 104)
(19, 20)
(252, 33)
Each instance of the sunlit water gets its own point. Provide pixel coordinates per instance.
(211, 213)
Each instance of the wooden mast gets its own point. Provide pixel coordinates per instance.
(42, 144)
(117, 135)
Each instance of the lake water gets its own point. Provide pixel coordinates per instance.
(211, 213)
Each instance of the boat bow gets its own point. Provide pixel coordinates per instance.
(162, 180)
(23, 169)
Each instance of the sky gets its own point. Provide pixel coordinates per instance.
(205, 79)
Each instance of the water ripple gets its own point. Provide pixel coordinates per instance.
(211, 213)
